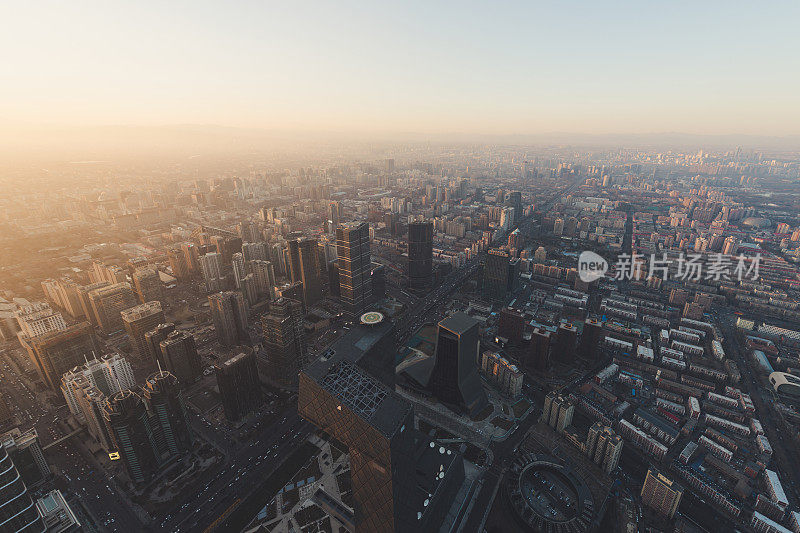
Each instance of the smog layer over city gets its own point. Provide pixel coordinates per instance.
(421, 267)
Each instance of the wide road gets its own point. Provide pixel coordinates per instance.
(784, 461)
(246, 470)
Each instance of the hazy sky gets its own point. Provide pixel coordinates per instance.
(483, 67)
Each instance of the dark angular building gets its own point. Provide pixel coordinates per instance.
(565, 345)
(239, 386)
(378, 282)
(353, 252)
(152, 341)
(304, 266)
(126, 415)
(18, 512)
(138, 321)
(511, 324)
(454, 378)
(420, 255)
(401, 481)
(538, 357)
(591, 336)
(180, 357)
(499, 275)
(170, 421)
(284, 341)
(57, 352)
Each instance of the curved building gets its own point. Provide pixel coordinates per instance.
(548, 496)
(18, 512)
(787, 385)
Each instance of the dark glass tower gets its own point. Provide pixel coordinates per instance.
(420, 255)
(353, 251)
(127, 418)
(179, 356)
(496, 275)
(170, 421)
(284, 341)
(239, 386)
(153, 338)
(305, 267)
(18, 512)
(454, 379)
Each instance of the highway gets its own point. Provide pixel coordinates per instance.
(243, 474)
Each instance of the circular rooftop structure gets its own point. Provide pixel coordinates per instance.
(757, 222)
(546, 495)
(370, 318)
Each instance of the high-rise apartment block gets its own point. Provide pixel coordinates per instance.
(211, 266)
(353, 252)
(110, 374)
(138, 321)
(229, 314)
(661, 493)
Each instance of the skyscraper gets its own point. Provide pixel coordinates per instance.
(661, 493)
(264, 278)
(148, 285)
(353, 251)
(58, 351)
(538, 357)
(305, 267)
(26, 453)
(129, 425)
(178, 263)
(239, 386)
(153, 338)
(229, 314)
(211, 266)
(394, 487)
(420, 255)
(284, 341)
(109, 375)
(18, 512)
(108, 302)
(180, 357)
(497, 276)
(138, 321)
(454, 379)
(169, 419)
(590, 339)
(564, 348)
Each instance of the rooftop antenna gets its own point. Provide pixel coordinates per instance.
(86, 358)
(159, 367)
